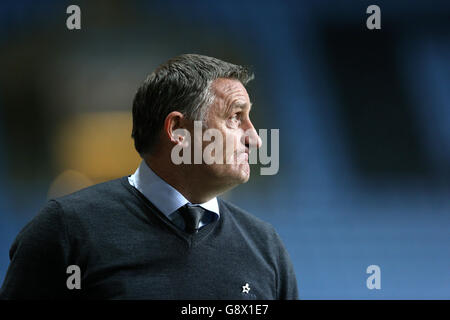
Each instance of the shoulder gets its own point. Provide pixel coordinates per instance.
(98, 196)
(92, 206)
(248, 222)
(243, 215)
(45, 230)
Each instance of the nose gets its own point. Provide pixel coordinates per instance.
(252, 138)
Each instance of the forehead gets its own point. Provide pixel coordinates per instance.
(229, 92)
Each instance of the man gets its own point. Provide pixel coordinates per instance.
(162, 233)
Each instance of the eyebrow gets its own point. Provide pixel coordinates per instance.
(240, 105)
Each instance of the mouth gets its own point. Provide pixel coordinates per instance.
(242, 158)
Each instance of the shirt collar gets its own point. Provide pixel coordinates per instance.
(165, 197)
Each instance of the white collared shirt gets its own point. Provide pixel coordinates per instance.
(165, 197)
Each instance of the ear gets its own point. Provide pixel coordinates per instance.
(173, 121)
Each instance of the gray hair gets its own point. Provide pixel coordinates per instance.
(181, 84)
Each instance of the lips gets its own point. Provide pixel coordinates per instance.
(242, 158)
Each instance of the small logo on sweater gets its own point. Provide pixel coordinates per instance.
(245, 293)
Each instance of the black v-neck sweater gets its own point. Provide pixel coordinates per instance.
(127, 249)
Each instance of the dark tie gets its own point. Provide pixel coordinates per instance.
(192, 215)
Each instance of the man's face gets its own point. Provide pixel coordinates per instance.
(229, 114)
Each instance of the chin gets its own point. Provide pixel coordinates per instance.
(233, 176)
(244, 173)
(238, 177)
(245, 179)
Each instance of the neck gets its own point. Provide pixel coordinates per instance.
(185, 179)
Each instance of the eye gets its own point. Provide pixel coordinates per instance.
(236, 117)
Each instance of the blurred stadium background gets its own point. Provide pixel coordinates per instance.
(364, 119)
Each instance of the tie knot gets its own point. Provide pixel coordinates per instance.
(192, 215)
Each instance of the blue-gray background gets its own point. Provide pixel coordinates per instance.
(364, 119)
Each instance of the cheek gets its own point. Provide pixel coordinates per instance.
(228, 142)
(232, 140)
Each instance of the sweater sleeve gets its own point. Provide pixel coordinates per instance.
(38, 258)
(287, 282)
